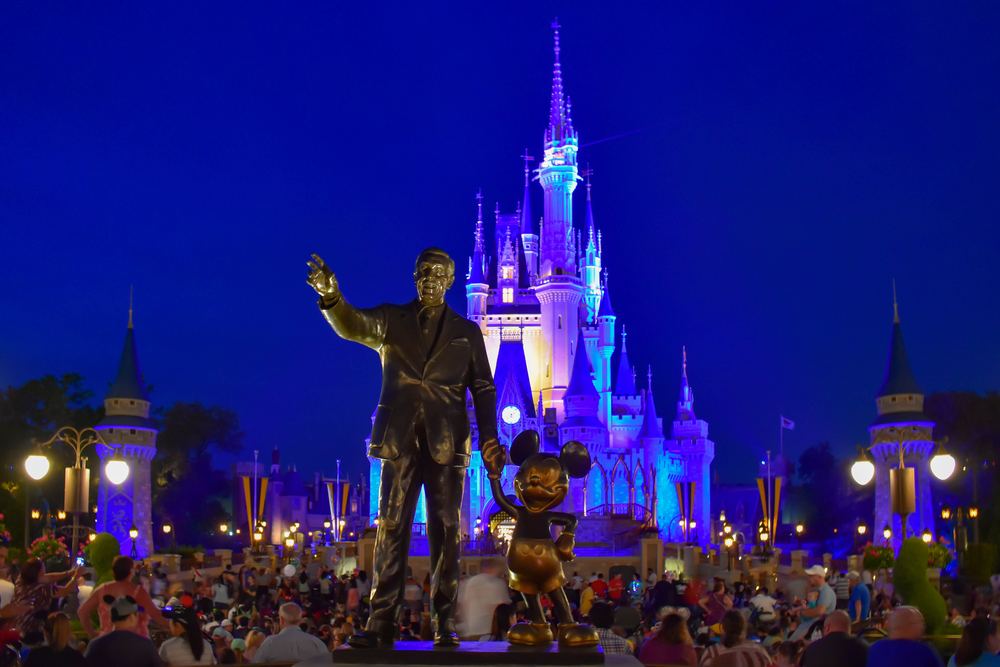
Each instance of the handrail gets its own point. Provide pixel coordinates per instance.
(627, 539)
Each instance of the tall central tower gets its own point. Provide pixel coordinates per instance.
(558, 287)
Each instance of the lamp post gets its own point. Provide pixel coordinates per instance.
(77, 489)
(326, 531)
(728, 541)
(133, 532)
(168, 529)
(887, 534)
(799, 529)
(902, 480)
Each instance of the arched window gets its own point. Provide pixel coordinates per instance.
(595, 483)
(620, 488)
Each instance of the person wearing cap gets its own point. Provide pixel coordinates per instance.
(290, 644)
(238, 646)
(188, 645)
(860, 602)
(826, 603)
(122, 647)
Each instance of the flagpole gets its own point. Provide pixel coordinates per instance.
(336, 525)
(770, 498)
(254, 522)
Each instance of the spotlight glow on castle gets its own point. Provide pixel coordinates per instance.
(539, 291)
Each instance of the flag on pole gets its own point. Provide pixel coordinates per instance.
(787, 423)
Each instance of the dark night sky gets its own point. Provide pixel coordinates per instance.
(793, 161)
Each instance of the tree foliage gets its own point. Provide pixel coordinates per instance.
(820, 477)
(186, 488)
(32, 412)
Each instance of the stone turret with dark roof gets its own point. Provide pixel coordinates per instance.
(129, 433)
(651, 429)
(900, 399)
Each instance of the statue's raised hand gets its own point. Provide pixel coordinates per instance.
(321, 278)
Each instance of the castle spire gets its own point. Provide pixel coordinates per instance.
(526, 209)
(557, 109)
(625, 386)
(477, 268)
(685, 404)
(895, 306)
(898, 374)
(128, 380)
(650, 423)
(605, 309)
(581, 383)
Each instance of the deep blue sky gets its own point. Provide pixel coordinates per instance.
(798, 158)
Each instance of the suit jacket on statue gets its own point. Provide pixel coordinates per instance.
(411, 380)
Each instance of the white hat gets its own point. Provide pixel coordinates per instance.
(816, 571)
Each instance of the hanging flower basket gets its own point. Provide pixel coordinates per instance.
(50, 550)
(878, 557)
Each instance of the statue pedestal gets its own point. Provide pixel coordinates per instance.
(469, 653)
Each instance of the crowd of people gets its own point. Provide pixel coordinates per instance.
(262, 615)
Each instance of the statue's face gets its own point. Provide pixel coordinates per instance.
(541, 483)
(433, 277)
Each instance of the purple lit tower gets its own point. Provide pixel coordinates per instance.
(126, 425)
(540, 294)
(900, 404)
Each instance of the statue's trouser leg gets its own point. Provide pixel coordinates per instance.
(561, 604)
(443, 487)
(398, 496)
(535, 613)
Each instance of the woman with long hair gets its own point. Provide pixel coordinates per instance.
(188, 645)
(503, 617)
(979, 644)
(56, 652)
(33, 595)
(672, 645)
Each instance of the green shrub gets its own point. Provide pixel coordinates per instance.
(980, 562)
(910, 579)
(101, 553)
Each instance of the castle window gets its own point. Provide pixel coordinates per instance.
(560, 321)
(131, 431)
(508, 273)
(131, 402)
(111, 430)
(508, 295)
(893, 399)
(116, 401)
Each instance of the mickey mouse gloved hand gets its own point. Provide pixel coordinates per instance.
(564, 546)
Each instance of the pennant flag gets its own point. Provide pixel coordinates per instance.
(249, 501)
(776, 499)
(260, 502)
(787, 423)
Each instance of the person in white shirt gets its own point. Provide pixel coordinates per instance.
(290, 644)
(188, 645)
(765, 603)
(479, 598)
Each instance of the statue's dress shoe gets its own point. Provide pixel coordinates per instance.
(575, 634)
(369, 640)
(445, 640)
(530, 634)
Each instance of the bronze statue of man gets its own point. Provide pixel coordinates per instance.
(430, 356)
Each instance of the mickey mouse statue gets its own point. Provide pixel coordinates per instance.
(533, 558)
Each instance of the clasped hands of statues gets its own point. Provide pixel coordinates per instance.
(322, 279)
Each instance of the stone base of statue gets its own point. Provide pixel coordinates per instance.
(471, 654)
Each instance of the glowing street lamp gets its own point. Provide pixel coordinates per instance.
(887, 533)
(926, 536)
(36, 514)
(61, 514)
(943, 463)
(223, 528)
(133, 532)
(863, 470)
(37, 466)
(946, 512)
(862, 528)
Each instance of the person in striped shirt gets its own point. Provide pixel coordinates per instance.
(735, 650)
(602, 616)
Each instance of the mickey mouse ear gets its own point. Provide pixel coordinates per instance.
(524, 446)
(575, 458)
(108, 599)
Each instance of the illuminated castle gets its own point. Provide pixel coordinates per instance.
(540, 294)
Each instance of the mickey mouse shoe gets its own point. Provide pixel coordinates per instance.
(530, 634)
(577, 635)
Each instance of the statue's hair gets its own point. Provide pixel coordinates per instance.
(435, 252)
